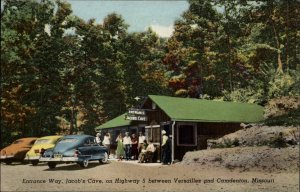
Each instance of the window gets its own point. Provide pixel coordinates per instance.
(90, 141)
(153, 133)
(68, 140)
(186, 134)
(43, 141)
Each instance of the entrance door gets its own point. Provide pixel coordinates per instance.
(153, 133)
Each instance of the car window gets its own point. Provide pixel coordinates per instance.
(56, 141)
(42, 141)
(18, 142)
(68, 140)
(32, 142)
(90, 141)
(93, 141)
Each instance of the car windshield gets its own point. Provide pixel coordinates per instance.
(18, 141)
(42, 141)
(68, 140)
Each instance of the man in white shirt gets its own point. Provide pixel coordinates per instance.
(142, 138)
(98, 141)
(148, 153)
(127, 146)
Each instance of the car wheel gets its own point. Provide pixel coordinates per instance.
(84, 163)
(35, 162)
(105, 158)
(51, 165)
(8, 162)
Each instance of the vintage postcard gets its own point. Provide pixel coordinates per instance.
(150, 95)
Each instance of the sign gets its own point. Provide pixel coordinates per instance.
(136, 112)
(136, 115)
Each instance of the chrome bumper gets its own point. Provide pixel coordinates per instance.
(32, 158)
(63, 159)
(6, 156)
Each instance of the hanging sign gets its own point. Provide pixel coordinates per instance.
(136, 112)
(136, 115)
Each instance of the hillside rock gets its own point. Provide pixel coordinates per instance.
(257, 135)
(261, 158)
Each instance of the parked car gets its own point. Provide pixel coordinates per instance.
(41, 145)
(17, 150)
(79, 149)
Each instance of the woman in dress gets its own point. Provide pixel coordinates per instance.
(120, 147)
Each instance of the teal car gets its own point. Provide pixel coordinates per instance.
(80, 149)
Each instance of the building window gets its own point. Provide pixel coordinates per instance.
(186, 134)
(153, 133)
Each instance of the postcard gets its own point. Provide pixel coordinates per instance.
(149, 95)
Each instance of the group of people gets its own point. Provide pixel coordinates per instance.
(137, 148)
(129, 147)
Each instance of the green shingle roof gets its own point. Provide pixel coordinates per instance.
(201, 110)
(116, 122)
(198, 110)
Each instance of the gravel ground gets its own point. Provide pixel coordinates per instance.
(195, 177)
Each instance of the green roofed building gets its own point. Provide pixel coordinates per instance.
(188, 122)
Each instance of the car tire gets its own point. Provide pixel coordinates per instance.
(9, 162)
(51, 165)
(34, 163)
(84, 163)
(105, 159)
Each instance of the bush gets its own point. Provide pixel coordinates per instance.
(283, 111)
(278, 141)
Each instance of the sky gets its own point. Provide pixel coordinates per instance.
(138, 14)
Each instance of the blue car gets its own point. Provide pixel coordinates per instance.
(78, 149)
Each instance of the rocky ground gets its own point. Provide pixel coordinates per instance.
(257, 135)
(252, 149)
(264, 159)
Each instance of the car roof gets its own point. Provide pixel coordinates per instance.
(51, 137)
(27, 139)
(77, 136)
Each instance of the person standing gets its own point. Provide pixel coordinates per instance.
(98, 141)
(120, 147)
(106, 142)
(127, 146)
(166, 149)
(141, 140)
(134, 146)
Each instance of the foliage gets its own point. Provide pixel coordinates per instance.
(283, 111)
(278, 141)
(61, 74)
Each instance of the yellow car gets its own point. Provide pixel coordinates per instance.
(41, 145)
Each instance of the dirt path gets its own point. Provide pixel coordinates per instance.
(129, 177)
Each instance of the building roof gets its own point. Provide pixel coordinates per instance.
(116, 122)
(201, 110)
(198, 110)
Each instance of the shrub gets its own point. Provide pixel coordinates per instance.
(278, 141)
(218, 158)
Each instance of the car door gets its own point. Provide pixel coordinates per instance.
(95, 149)
(85, 149)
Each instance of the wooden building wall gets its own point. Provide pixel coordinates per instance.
(205, 131)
